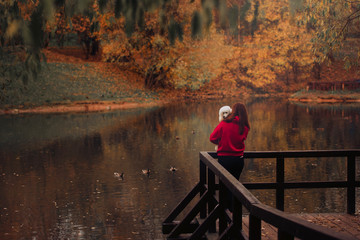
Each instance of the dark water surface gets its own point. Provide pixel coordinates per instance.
(57, 171)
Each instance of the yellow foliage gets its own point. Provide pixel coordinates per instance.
(276, 48)
(12, 29)
(201, 60)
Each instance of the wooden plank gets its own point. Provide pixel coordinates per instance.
(322, 220)
(352, 223)
(245, 224)
(345, 223)
(349, 223)
(268, 231)
(295, 225)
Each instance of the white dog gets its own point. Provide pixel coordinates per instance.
(224, 112)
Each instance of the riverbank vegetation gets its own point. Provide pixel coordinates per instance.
(57, 52)
(326, 96)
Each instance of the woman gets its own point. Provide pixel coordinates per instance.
(230, 135)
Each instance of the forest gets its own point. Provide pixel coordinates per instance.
(251, 45)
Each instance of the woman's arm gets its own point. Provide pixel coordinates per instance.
(215, 136)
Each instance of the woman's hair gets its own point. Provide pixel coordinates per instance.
(239, 110)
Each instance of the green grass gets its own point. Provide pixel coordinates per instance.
(65, 83)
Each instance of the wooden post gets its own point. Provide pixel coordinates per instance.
(254, 228)
(237, 214)
(202, 183)
(223, 206)
(280, 177)
(351, 184)
(211, 204)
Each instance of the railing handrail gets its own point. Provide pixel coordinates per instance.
(302, 153)
(297, 153)
(267, 213)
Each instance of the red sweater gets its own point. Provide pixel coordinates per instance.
(227, 136)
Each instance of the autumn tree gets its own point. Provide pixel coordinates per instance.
(87, 27)
(162, 29)
(162, 48)
(61, 26)
(275, 54)
(335, 28)
(141, 34)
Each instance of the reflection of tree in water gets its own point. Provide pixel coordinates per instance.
(152, 122)
(49, 178)
(93, 144)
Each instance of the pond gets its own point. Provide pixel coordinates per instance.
(57, 171)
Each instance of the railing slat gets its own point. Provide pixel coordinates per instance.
(254, 227)
(202, 182)
(190, 216)
(223, 203)
(199, 232)
(177, 210)
(351, 174)
(211, 204)
(237, 214)
(280, 178)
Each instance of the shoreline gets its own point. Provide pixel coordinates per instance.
(171, 96)
(324, 100)
(80, 107)
(317, 96)
(84, 85)
(107, 106)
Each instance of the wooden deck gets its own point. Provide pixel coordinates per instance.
(344, 223)
(215, 181)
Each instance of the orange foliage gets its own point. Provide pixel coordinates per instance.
(27, 7)
(278, 53)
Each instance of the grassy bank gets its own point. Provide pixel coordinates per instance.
(326, 96)
(70, 83)
(61, 83)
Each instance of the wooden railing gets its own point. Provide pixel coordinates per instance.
(212, 204)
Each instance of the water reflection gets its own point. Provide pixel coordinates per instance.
(57, 171)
